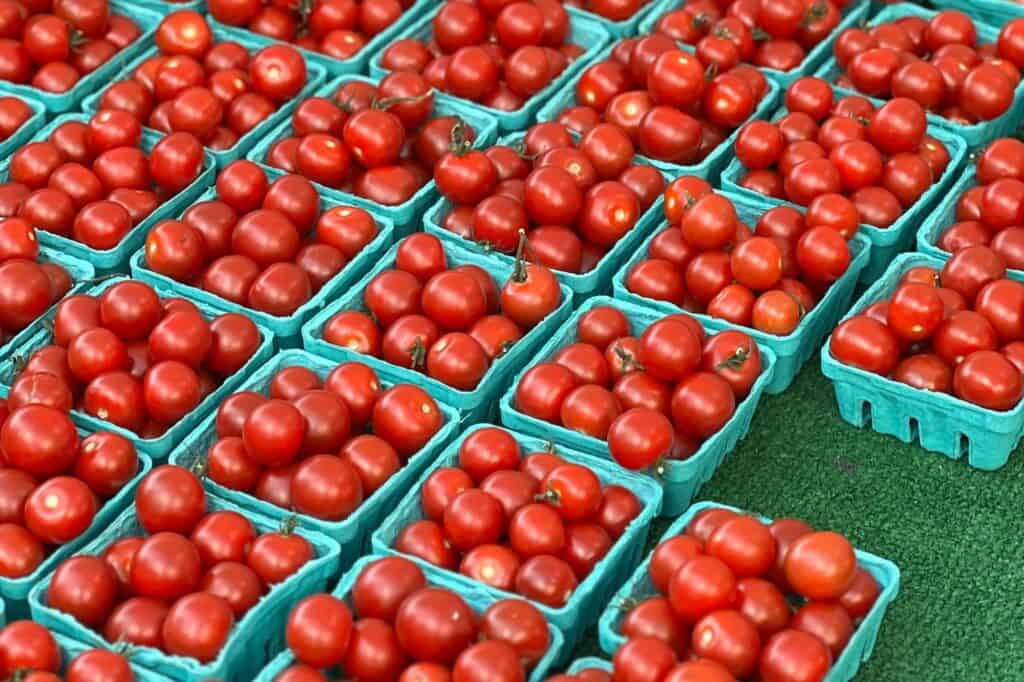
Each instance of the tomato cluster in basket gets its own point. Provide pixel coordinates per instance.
(260, 244)
(653, 397)
(380, 142)
(530, 523)
(320, 448)
(54, 481)
(450, 322)
(674, 107)
(709, 260)
(130, 358)
(181, 580)
(336, 28)
(846, 161)
(27, 287)
(939, 63)
(213, 89)
(93, 181)
(28, 651)
(53, 45)
(740, 599)
(771, 35)
(397, 625)
(499, 54)
(992, 212)
(959, 331)
(575, 201)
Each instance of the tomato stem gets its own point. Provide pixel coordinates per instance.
(418, 354)
(389, 102)
(736, 360)
(460, 143)
(519, 274)
(289, 524)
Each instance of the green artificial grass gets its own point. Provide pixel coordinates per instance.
(954, 532)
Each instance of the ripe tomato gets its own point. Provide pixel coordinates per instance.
(820, 565)
(865, 343)
(639, 438)
(166, 566)
(197, 626)
(318, 630)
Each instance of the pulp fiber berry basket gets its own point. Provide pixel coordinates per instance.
(590, 662)
(976, 135)
(337, 67)
(583, 31)
(57, 103)
(157, 448)
(941, 422)
(475, 405)
(858, 649)
(15, 591)
(407, 216)
(71, 649)
(793, 350)
(81, 279)
(116, 258)
(944, 216)
(583, 607)
(254, 638)
(353, 534)
(315, 76)
(853, 14)
(679, 479)
(617, 29)
(165, 7)
(286, 328)
(598, 280)
(29, 128)
(886, 242)
(709, 168)
(477, 598)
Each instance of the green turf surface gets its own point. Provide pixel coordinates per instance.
(954, 532)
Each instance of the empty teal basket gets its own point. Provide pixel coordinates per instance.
(254, 639)
(898, 237)
(680, 480)
(157, 448)
(583, 31)
(858, 649)
(475, 405)
(792, 351)
(407, 216)
(976, 135)
(584, 606)
(116, 258)
(353, 534)
(712, 164)
(940, 422)
(477, 598)
(315, 76)
(57, 103)
(285, 328)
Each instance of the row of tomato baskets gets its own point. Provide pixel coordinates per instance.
(182, 480)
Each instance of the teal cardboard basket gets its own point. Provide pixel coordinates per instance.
(157, 448)
(285, 328)
(944, 216)
(475, 405)
(478, 599)
(793, 350)
(583, 31)
(583, 607)
(254, 638)
(618, 29)
(407, 216)
(15, 591)
(887, 242)
(29, 128)
(598, 280)
(315, 76)
(679, 480)
(940, 422)
(165, 7)
(81, 279)
(853, 14)
(353, 534)
(116, 258)
(712, 164)
(338, 67)
(976, 135)
(58, 103)
(71, 649)
(589, 663)
(844, 668)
